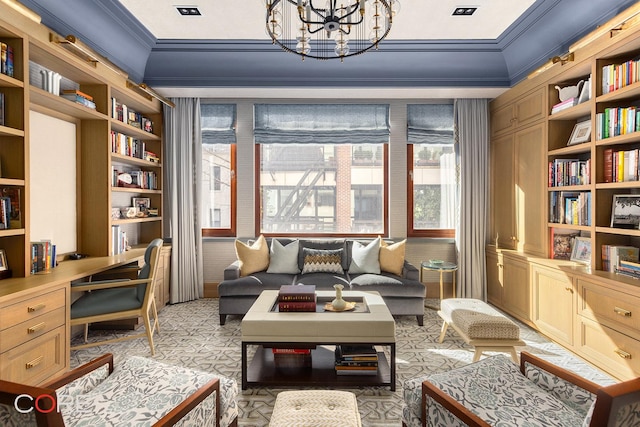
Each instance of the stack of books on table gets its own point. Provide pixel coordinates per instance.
(629, 268)
(356, 360)
(291, 358)
(297, 298)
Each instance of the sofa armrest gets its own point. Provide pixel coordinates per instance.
(409, 271)
(450, 404)
(232, 271)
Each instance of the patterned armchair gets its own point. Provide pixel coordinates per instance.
(494, 392)
(140, 392)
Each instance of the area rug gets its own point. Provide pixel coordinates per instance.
(191, 336)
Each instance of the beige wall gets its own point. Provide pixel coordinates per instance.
(219, 253)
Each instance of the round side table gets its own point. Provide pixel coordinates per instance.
(442, 267)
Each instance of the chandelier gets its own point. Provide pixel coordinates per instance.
(326, 29)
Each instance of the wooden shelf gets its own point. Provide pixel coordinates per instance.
(64, 106)
(8, 131)
(135, 190)
(631, 91)
(620, 139)
(12, 182)
(572, 113)
(571, 149)
(6, 81)
(12, 232)
(137, 220)
(617, 185)
(119, 158)
(133, 131)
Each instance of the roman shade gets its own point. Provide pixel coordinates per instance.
(218, 123)
(430, 124)
(321, 123)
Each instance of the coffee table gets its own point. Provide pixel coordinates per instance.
(264, 327)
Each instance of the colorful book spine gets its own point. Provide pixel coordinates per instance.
(303, 306)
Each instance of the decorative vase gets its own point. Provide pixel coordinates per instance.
(338, 303)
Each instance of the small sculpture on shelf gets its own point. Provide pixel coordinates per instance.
(338, 303)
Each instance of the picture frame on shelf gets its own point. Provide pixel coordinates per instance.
(4, 266)
(581, 251)
(625, 211)
(585, 92)
(142, 204)
(581, 133)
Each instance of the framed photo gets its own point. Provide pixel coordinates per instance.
(142, 204)
(3, 261)
(581, 133)
(581, 251)
(625, 211)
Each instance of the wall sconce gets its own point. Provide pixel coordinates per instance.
(562, 59)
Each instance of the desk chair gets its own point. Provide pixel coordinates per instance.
(120, 299)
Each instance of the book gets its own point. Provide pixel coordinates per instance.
(77, 92)
(568, 103)
(297, 293)
(302, 306)
(278, 350)
(1, 109)
(15, 215)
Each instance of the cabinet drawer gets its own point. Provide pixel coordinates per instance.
(31, 308)
(613, 308)
(612, 351)
(32, 328)
(37, 360)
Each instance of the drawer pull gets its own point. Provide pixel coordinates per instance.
(622, 312)
(623, 354)
(35, 328)
(35, 362)
(33, 308)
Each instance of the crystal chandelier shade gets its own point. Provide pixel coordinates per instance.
(327, 29)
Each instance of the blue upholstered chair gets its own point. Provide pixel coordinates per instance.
(120, 299)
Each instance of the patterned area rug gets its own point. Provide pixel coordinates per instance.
(191, 336)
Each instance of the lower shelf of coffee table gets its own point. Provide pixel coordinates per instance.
(262, 371)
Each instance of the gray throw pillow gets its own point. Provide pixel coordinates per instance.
(283, 259)
(365, 259)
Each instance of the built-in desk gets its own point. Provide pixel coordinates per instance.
(34, 318)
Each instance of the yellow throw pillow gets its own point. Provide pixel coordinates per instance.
(392, 257)
(253, 258)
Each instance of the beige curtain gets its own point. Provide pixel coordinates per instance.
(182, 172)
(471, 133)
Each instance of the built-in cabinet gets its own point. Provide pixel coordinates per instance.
(560, 182)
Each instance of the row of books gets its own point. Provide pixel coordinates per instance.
(621, 165)
(616, 76)
(291, 358)
(147, 180)
(43, 256)
(612, 255)
(356, 360)
(297, 298)
(629, 268)
(119, 241)
(563, 172)
(10, 211)
(617, 121)
(127, 145)
(125, 114)
(1, 109)
(78, 97)
(6, 59)
(570, 207)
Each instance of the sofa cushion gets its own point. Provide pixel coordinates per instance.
(365, 258)
(253, 257)
(387, 285)
(253, 284)
(322, 261)
(323, 281)
(392, 257)
(283, 258)
(325, 245)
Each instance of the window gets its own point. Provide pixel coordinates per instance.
(318, 174)
(432, 171)
(218, 169)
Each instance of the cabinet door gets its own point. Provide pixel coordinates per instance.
(530, 191)
(530, 107)
(502, 119)
(494, 278)
(553, 304)
(516, 289)
(503, 193)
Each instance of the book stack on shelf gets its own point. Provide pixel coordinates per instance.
(629, 268)
(570, 207)
(10, 211)
(616, 121)
(43, 256)
(620, 165)
(79, 97)
(291, 358)
(563, 105)
(146, 180)
(356, 360)
(617, 76)
(613, 255)
(122, 113)
(119, 240)
(297, 298)
(6, 59)
(563, 172)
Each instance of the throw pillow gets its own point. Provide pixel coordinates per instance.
(283, 259)
(392, 257)
(253, 258)
(365, 258)
(322, 261)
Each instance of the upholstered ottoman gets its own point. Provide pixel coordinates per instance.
(315, 408)
(480, 325)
